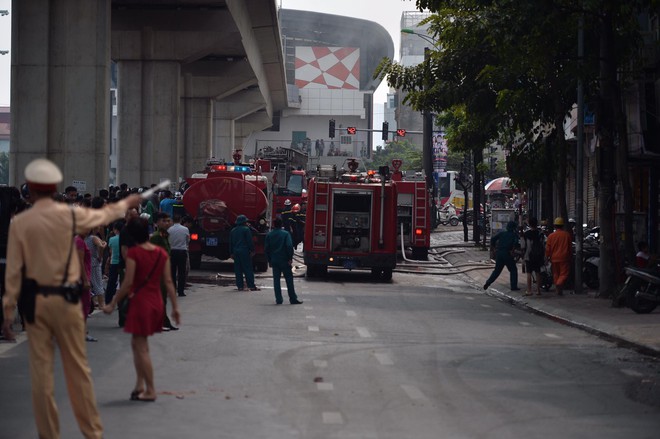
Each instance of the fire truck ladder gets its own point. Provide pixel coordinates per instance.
(421, 206)
(321, 214)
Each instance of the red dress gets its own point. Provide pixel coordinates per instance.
(145, 309)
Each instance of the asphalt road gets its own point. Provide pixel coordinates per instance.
(421, 357)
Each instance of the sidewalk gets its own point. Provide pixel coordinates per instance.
(585, 311)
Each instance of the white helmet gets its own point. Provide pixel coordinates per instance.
(287, 202)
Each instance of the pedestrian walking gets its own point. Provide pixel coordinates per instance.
(147, 265)
(504, 244)
(558, 249)
(179, 239)
(279, 252)
(115, 258)
(42, 267)
(96, 248)
(241, 247)
(161, 238)
(534, 255)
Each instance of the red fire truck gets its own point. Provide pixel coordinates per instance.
(351, 222)
(214, 198)
(413, 212)
(285, 168)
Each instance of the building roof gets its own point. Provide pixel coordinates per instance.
(306, 28)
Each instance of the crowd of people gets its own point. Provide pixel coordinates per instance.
(68, 254)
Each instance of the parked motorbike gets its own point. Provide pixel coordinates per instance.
(590, 260)
(447, 215)
(641, 291)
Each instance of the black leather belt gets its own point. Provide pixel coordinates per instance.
(69, 293)
(53, 290)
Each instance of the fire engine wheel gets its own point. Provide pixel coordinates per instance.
(195, 260)
(382, 274)
(316, 270)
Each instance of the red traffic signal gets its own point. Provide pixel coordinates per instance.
(401, 132)
(351, 130)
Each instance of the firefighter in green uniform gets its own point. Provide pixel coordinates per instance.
(241, 247)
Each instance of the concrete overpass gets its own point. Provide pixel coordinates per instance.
(195, 77)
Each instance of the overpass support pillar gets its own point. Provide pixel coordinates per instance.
(198, 130)
(223, 139)
(60, 89)
(148, 122)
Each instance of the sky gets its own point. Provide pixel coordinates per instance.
(387, 13)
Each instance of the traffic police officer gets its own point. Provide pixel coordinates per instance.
(40, 242)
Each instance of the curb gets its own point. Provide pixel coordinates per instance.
(608, 336)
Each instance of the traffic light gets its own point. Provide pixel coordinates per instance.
(401, 132)
(351, 130)
(331, 129)
(386, 131)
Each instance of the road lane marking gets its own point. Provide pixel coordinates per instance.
(310, 317)
(364, 332)
(384, 359)
(308, 308)
(413, 392)
(332, 418)
(469, 298)
(631, 373)
(525, 323)
(313, 328)
(341, 299)
(505, 314)
(324, 386)
(320, 363)
(550, 335)
(351, 313)
(485, 306)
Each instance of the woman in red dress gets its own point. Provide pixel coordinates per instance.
(146, 266)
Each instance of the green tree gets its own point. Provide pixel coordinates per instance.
(404, 150)
(505, 71)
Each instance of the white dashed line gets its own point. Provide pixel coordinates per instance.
(364, 332)
(341, 299)
(313, 328)
(631, 373)
(483, 305)
(351, 314)
(469, 298)
(310, 317)
(550, 335)
(413, 392)
(332, 418)
(525, 323)
(325, 386)
(505, 314)
(384, 359)
(320, 363)
(308, 308)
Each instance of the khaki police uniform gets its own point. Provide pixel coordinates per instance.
(40, 239)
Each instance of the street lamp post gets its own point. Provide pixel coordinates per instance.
(427, 133)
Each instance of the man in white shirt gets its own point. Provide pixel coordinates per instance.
(179, 237)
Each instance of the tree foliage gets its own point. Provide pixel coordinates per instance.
(404, 150)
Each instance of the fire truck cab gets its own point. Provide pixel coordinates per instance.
(351, 222)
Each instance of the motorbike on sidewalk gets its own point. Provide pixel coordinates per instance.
(641, 291)
(447, 215)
